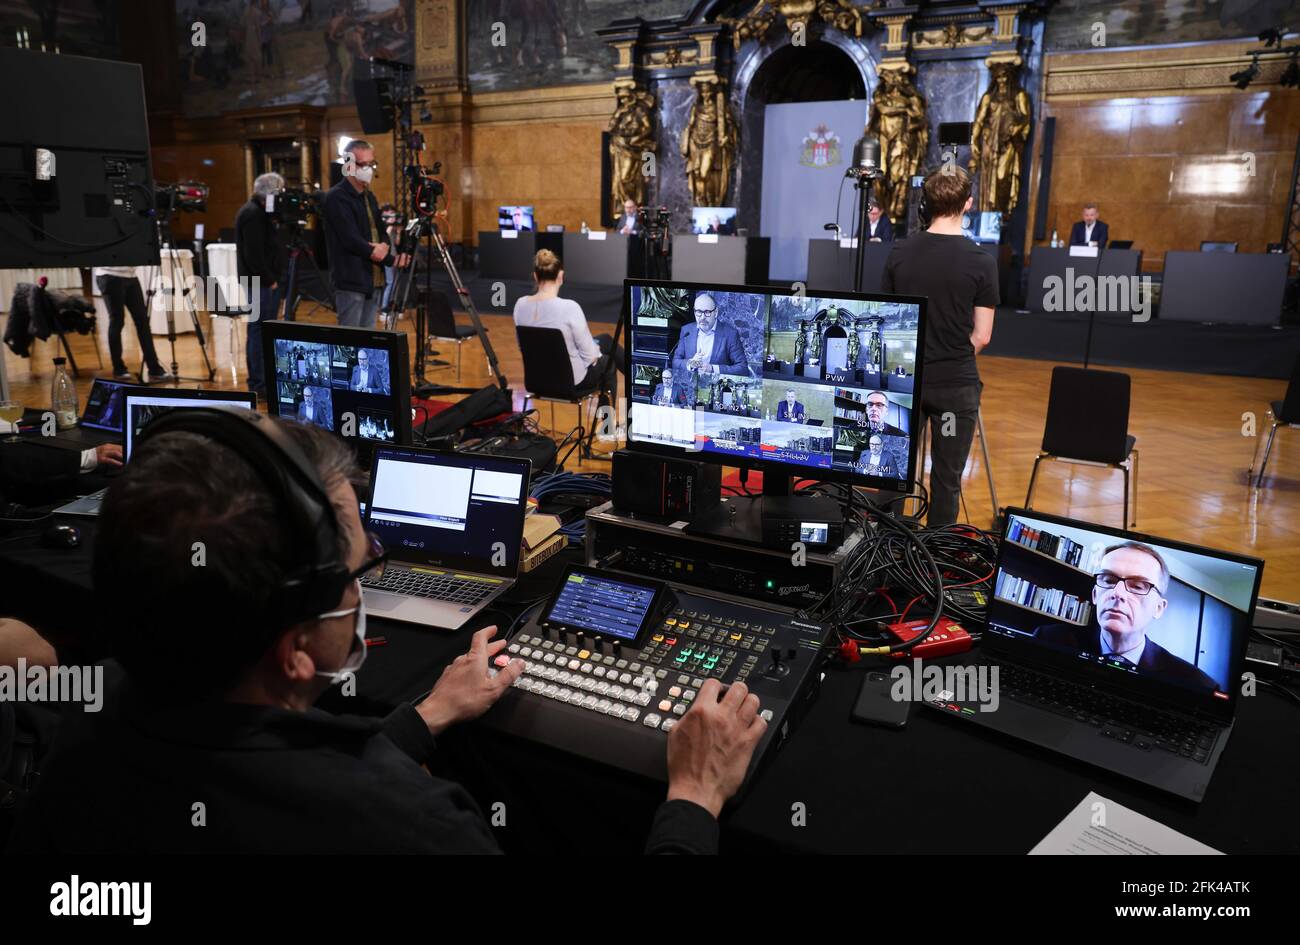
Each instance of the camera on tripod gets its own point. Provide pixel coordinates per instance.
(189, 196)
(426, 188)
(654, 227)
(295, 204)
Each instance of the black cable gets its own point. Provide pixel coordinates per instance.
(1289, 693)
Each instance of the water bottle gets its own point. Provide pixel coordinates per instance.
(1055, 242)
(585, 228)
(63, 397)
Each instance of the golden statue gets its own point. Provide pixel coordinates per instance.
(709, 144)
(998, 136)
(899, 120)
(799, 15)
(631, 138)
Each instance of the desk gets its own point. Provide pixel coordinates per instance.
(1236, 288)
(731, 260)
(590, 261)
(506, 257)
(956, 789)
(830, 265)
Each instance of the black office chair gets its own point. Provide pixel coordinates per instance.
(548, 376)
(1284, 412)
(442, 325)
(1087, 423)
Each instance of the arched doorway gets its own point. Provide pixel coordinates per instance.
(822, 71)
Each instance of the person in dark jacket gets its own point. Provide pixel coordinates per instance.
(356, 239)
(260, 260)
(209, 731)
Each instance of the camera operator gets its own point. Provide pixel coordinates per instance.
(355, 239)
(393, 233)
(217, 700)
(260, 255)
(961, 282)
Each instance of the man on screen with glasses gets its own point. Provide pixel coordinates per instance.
(1128, 594)
(707, 346)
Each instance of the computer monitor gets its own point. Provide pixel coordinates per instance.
(105, 406)
(354, 382)
(819, 385)
(145, 403)
(515, 218)
(1155, 616)
(718, 220)
(1218, 246)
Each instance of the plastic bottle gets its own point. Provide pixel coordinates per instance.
(63, 397)
(1055, 241)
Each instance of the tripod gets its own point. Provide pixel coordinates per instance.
(298, 249)
(162, 230)
(862, 182)
(424, 226)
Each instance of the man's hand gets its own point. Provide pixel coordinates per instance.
(710, 748)
(403, 260)
(378, 251)
(464, 690)
(109, 454)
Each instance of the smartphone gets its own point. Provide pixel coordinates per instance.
(876, 704)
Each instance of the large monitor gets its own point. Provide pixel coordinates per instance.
(515, 218)
(820, 385)
(145, 403)
(76, 181)
(1151, 615)
(353, 382)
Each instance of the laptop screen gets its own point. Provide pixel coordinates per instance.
(1157, 617)
(453, 510)
(142, 405)
(105, 407)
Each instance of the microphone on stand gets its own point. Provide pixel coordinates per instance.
(866, 158)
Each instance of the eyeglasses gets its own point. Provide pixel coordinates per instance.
(376, 556)
(877, 404)
(705, 311)
(1139, 586)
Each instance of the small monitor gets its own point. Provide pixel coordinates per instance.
(515, 218)
(353, 382)
(1120, 244)
(715, 220)
(1216, 246)
(609, 607)
(105, 406)
(1157, 617)
(985, 227)
(142, 404)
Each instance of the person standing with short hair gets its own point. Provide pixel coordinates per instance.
(961, 282)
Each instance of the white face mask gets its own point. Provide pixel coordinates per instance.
(357, 656)
(364, 174)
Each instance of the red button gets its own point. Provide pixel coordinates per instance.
(502, 660)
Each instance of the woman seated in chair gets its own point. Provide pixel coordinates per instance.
(593, 359)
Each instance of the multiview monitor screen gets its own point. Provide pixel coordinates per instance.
(350, 381)
(515, 218)
(817, 385)
(717, 220)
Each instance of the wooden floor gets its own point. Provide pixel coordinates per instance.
(1189, 428)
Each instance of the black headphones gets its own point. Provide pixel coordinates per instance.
(321, 580)
(923, 207)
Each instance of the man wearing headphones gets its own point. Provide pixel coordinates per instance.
(961, 282)
(210, 735)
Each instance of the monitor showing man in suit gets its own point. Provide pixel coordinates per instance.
(789, 409)
(1130, 596)
(1090, 231)
(367, 375)
(877, 410)
(315, 407)
(668, 393)
(709, 345)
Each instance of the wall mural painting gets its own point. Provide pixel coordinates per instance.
(517, 44)
(278, 52)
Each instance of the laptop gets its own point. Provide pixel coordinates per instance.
(102, 420)
(1121, 650)
(453, 524)
(142, 404)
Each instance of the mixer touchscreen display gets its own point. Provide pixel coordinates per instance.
(594, 602)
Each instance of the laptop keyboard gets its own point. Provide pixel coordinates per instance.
(1140, 726)
(433, 585)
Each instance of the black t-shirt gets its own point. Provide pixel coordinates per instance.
(957, 276)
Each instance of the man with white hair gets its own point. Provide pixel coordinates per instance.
(260, 261)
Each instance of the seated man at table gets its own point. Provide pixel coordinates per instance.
(214, 715)
(1089, 231)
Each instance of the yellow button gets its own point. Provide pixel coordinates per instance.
(735, 636)
(583, 654)
(685, 625)
(671, 621)
(658, 638)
